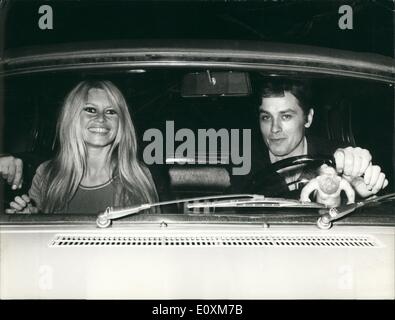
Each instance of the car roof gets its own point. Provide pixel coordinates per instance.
(295, 22)
(224, 54)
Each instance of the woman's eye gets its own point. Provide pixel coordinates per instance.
(90, 110)
(111, 111)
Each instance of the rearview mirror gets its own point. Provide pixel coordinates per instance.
(222, 83)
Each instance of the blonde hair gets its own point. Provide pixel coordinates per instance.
(63, 174)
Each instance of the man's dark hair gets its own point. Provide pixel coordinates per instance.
(301, 89)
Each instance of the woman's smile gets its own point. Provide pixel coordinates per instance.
(99, 130)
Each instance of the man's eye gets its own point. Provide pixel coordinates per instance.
(286, 116)
(90, 110)
(265, 117)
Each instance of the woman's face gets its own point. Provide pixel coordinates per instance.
(99, 120)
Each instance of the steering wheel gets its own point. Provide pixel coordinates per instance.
(270, 180)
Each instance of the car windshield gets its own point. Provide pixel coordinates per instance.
(196, 143)
(211, 118)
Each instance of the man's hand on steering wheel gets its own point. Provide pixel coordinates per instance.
(368, 180)
(355, 164)
(352, 161)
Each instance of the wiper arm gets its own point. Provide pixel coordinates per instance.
(332, 214)
(104, 219)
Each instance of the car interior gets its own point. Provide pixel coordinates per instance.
(352, 111)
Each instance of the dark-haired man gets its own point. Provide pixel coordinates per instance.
(285, 112)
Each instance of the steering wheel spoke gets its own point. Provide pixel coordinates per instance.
(271, 179)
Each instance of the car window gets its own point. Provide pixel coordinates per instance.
(344, 112)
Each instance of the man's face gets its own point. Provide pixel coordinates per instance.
(282, 123)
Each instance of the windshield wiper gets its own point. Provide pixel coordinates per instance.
(246, 201)
(256, 201)
(226, 201)
(332, 214)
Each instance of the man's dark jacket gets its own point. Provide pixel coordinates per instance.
(263, 179)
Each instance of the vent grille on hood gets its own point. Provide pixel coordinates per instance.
(215, 241)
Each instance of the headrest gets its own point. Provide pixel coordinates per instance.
(198, 178)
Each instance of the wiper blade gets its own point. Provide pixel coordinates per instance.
(104, 219)
(225, 201)
(256, 201)
(332, 214)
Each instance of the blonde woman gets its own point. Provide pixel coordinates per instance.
(96, 165)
